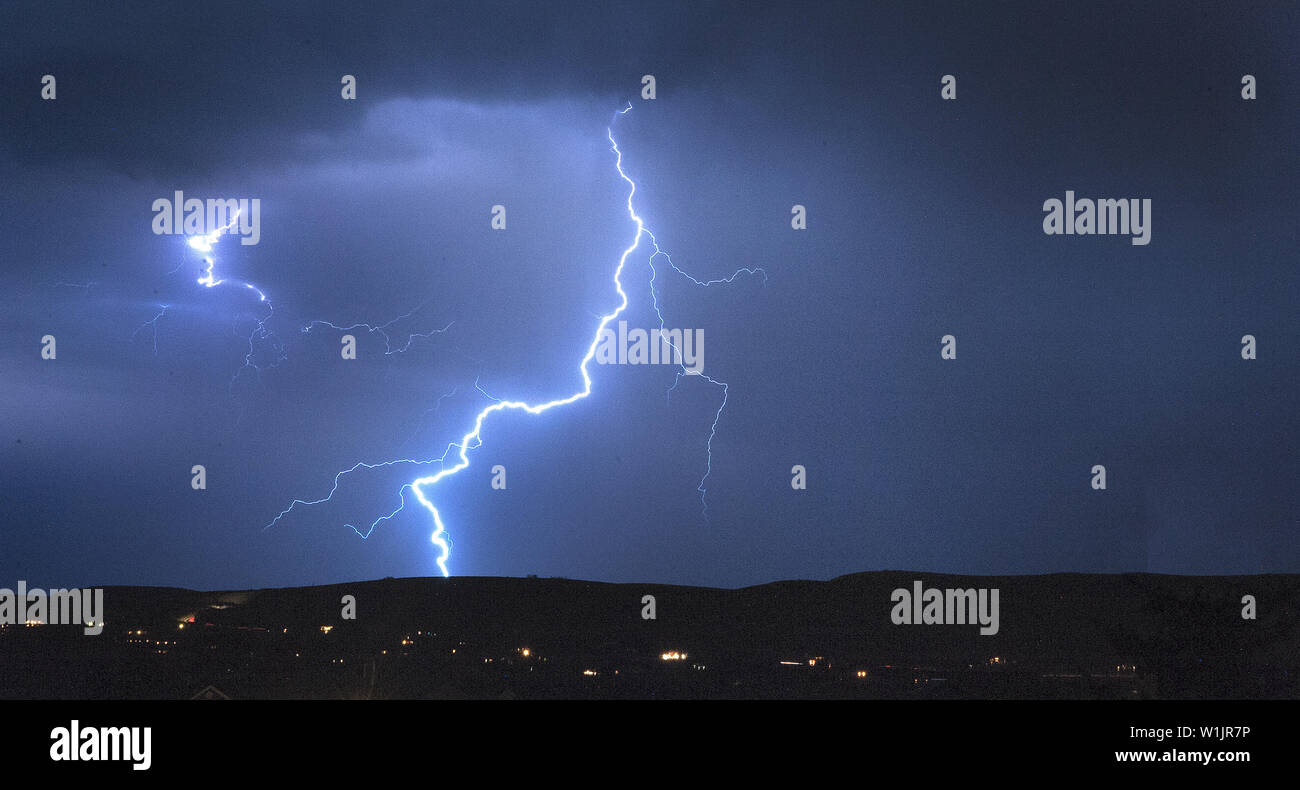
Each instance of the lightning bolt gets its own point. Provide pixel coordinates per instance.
(85, 287)
(431, 410)
(205, 243)
(473, 439)
(382, 330)
(153, 324)
(683, 371)
(259, 333)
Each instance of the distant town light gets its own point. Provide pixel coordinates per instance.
(325, 629)
(589, 672)
(673, 656)
(526, 652)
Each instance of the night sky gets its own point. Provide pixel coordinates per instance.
(924, 219)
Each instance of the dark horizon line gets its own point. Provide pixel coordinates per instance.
(831, 580)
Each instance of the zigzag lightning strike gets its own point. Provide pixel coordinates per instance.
(473, 439)
(204, 244)
(383, 330)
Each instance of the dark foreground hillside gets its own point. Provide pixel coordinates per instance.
(1059, 636)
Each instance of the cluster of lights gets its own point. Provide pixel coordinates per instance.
(162, 642)
(673, 656)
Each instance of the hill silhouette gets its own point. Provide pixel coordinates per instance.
(1059, 636)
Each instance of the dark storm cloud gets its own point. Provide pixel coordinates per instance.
(924, 220)
(153, 86)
